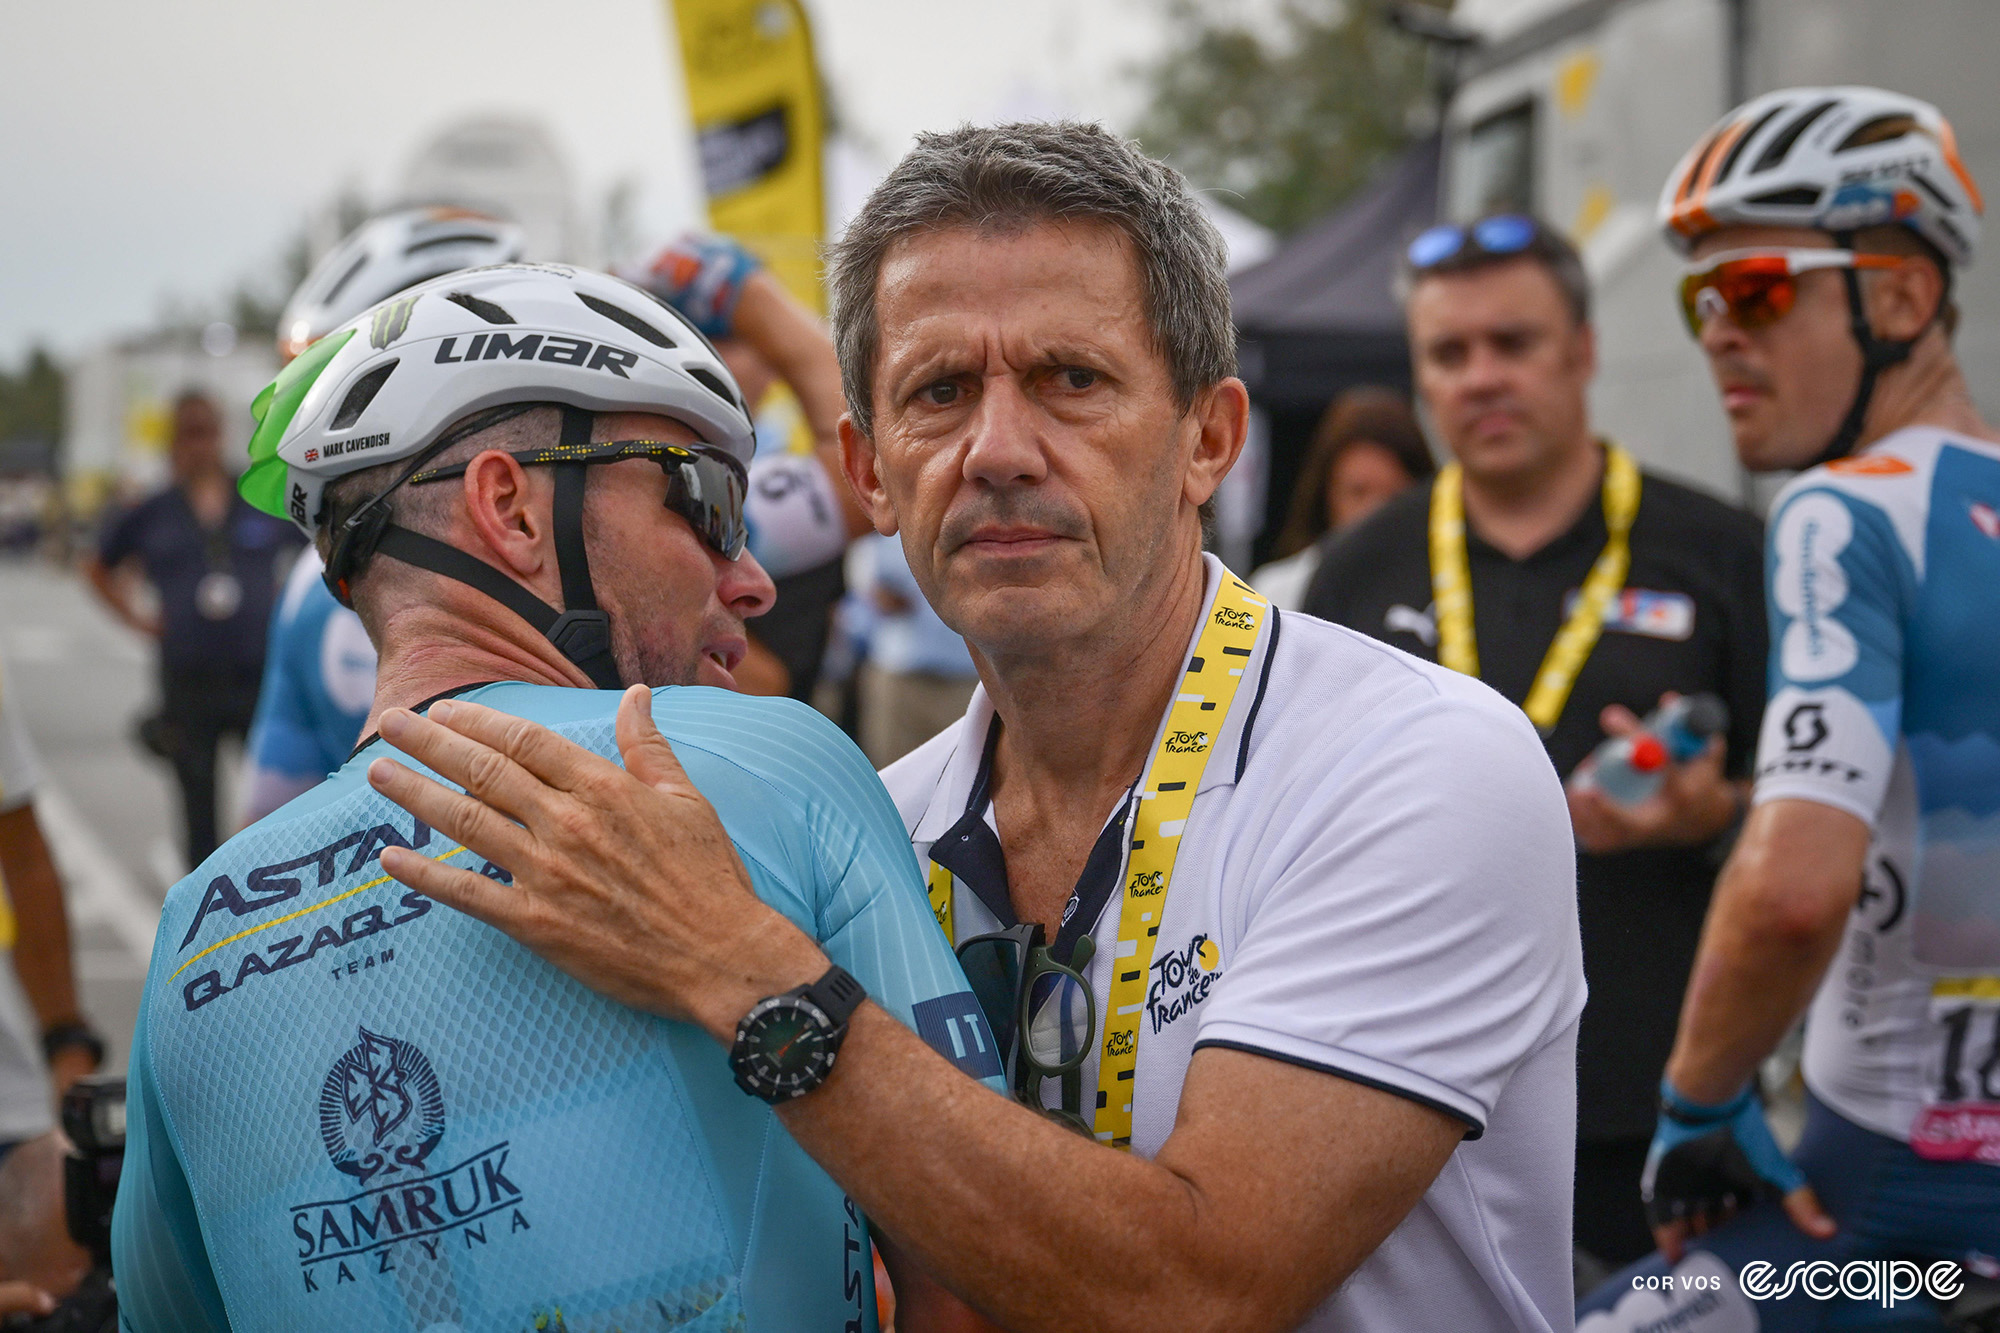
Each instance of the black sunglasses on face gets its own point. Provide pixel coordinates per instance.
(705, 486)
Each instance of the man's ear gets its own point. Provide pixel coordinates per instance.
(1903, 300)
(860, 462)
(501, 506)
(1586, 349)
(1222, 419)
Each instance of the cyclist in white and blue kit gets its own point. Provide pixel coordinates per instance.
(352, 1109)
(1824, 229)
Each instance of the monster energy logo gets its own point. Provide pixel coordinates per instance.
(392, 321)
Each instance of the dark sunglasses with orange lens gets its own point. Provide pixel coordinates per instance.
(1756, 288)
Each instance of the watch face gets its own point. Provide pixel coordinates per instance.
(786, 1048)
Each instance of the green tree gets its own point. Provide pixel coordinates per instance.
(1288, 104)
(31, 401)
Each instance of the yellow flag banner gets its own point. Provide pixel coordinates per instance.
(754, 90)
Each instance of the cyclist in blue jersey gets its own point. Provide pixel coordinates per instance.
(350, 1110)
(1823, 228)
(319, 671)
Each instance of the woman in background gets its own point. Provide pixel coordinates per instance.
(1366, 449)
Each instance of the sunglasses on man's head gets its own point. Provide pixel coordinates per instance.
(1756, 288)
(1502, 234)
(705, 486)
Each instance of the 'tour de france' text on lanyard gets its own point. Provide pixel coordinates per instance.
(1166, 795)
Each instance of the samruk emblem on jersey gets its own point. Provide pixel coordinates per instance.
(381, 1109)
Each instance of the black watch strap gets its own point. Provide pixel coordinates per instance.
(837, 994)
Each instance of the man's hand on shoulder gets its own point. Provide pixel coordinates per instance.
(1695, 803)
(622, 877)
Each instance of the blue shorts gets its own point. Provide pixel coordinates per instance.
(1889, 1203)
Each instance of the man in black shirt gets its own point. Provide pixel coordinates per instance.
(1537, 519)
(216, 564)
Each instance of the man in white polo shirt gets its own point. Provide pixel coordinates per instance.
(1330, 888)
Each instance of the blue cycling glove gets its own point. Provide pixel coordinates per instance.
(702, 277)
(1712, 1160)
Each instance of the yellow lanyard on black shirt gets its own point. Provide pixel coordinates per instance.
(1451, 586)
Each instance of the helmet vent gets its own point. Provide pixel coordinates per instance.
(1743, 140)
(1782, 145)
(1937, 196)
(1694, 172)
(486, 310)
(362, 394)
(1799, 196)
(449, 238)
(712, 382)
(334, 292)
(1879, 130)
(627, 320)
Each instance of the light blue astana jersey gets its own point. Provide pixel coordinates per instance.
(1885, 702)
(352, 1108)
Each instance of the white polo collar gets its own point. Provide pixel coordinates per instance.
(961, 769)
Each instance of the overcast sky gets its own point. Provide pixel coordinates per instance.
(151, 151)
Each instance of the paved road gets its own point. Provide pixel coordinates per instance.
(108, 810)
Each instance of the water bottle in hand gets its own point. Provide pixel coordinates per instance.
(1628, 769)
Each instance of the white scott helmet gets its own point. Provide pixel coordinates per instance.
(485, 344)
(382, 257)
(1834, 159)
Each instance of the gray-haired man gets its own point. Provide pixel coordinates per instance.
(1330, 887)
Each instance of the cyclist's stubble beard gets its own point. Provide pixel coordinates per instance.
(660, 597)
(1787, 388)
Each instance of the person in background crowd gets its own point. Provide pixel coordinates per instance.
(918, 675)
(1544, 562)
(216, 564)
(1366, 450)
(802, 514)
(1820, 256)
(44, 1040)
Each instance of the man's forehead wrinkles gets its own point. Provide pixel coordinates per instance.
(970, 341)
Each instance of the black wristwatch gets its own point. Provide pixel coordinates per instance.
(785, 1045)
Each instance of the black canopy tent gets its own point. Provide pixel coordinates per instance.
(1319, 316)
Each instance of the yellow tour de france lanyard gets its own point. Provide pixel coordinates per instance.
(1451, 586)
(1166, 795)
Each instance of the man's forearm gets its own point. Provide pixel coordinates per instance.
(1028, 1222)
(113, 589)
(1779, 911)
(787, 335)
